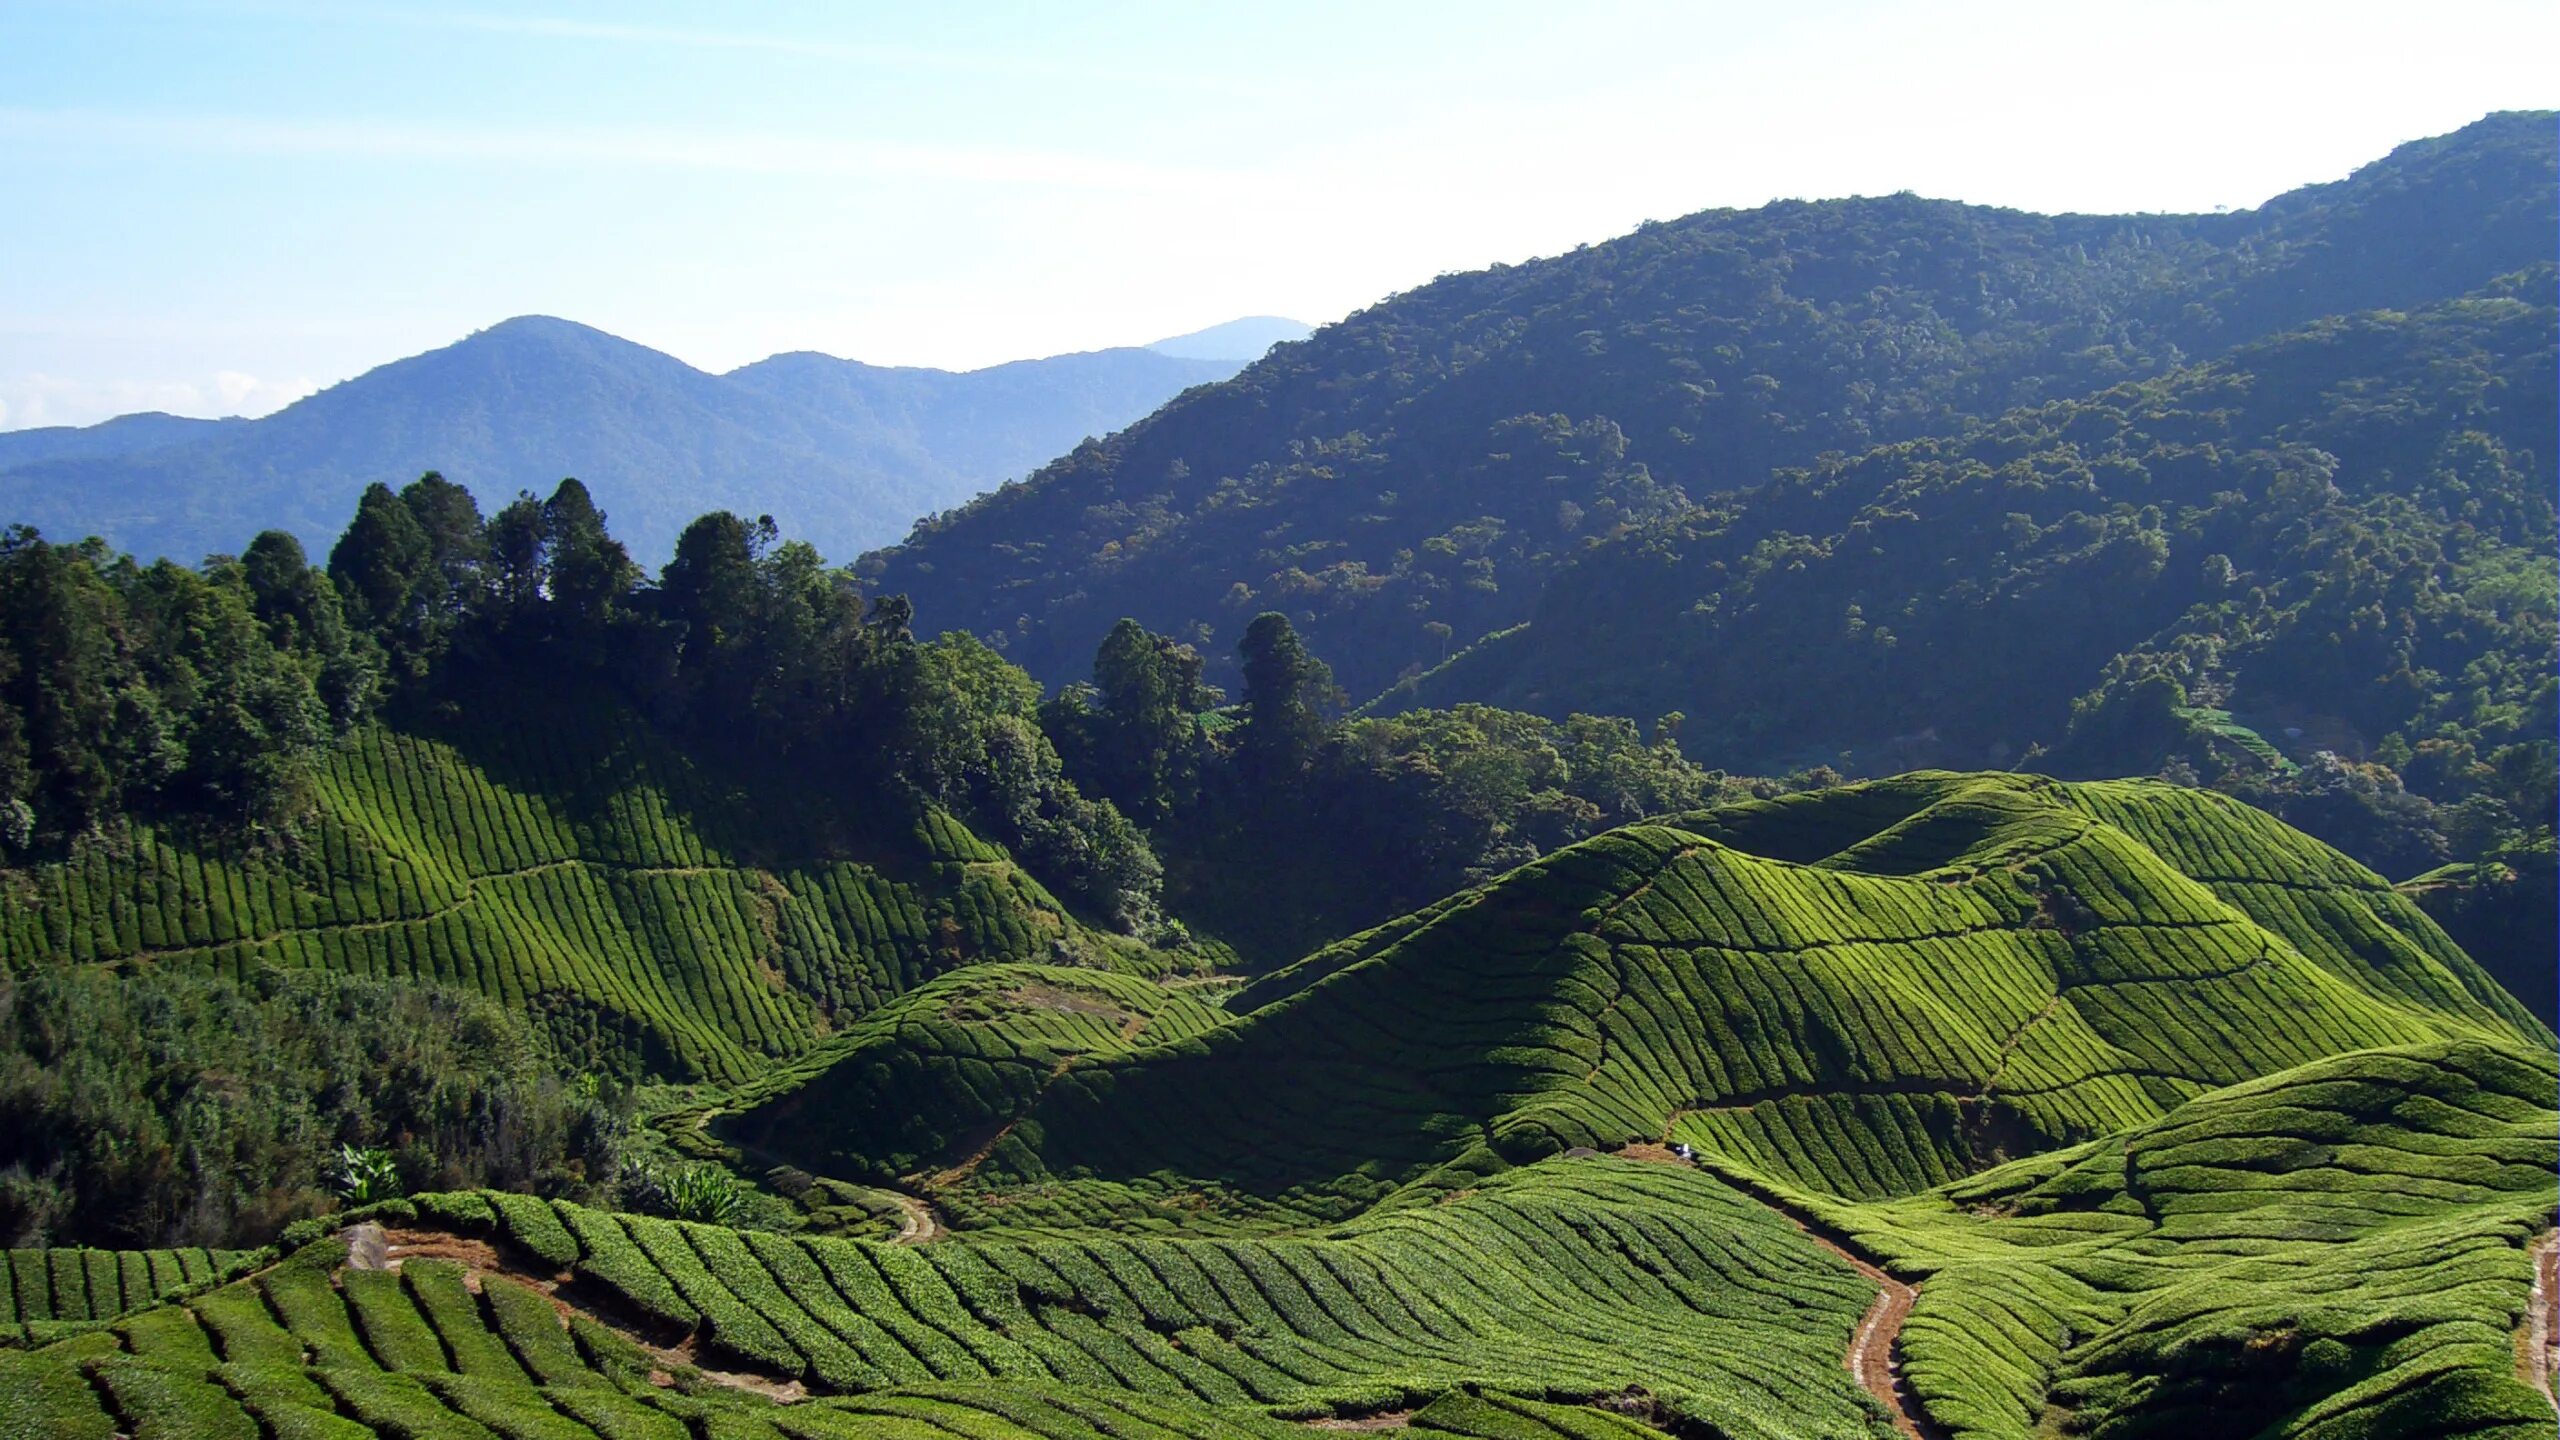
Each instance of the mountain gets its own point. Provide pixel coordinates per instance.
(2219, 527)
(846, 455)
(1243, 341)
(108, 439)
(1435, 460)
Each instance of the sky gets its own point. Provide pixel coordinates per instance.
(215, 208)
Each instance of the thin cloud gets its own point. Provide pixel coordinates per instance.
(737, 152)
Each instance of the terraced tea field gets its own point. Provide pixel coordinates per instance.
(1574, 1277)
(1867, 992)
(2021, 1110)
(2340, 1249)
(680, 924)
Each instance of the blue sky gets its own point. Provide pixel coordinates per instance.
(215, 207)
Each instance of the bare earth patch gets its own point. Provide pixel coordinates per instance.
(2538, 1338)
(373, 1247)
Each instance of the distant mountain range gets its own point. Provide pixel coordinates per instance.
(842, 454)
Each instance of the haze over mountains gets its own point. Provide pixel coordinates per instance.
(842, 454)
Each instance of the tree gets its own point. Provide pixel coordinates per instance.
(380, 562)
(1287, 693)
(1148, 697)
(710, 586)
(457, 546)
(589, 571)
(300, 609)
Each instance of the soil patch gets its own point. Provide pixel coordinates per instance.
(372, 1247)
(2538, 1338)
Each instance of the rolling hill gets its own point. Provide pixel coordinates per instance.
(2019, 1107)
(2337, 1248)
(659, 916)
(844, 454)
(1867, 991)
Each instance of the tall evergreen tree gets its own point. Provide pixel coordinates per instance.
(1287, 693)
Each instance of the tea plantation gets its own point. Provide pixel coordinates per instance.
(2336, 1250)
(2161, 1119)
(1868, 991)
(661, 918)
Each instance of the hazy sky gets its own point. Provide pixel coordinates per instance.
(216, 207)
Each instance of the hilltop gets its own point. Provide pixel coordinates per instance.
(1868, 991)
(847, 455)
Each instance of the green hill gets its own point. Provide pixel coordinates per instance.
(660, 916)
(1869, 991)
(1436, 458)
(2334, 1250)
(2339, 538)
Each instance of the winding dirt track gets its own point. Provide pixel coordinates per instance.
(2538, 1338)
(920, 1224)
(1873, 1359)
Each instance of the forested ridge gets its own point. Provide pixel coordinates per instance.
(1432, 459)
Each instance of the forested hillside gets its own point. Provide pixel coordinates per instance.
(1406, 481)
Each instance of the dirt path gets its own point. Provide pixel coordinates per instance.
(2538, 1338)
(1874, 1358)
(920, 1225)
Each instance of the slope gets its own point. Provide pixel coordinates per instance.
(659, 917)
(2340, 535)
(2335, 1250)
(1432, 460)
(842, 454)
(1868, 991)
(947, 1067)
(1579, 1279)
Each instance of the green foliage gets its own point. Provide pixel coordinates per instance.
(1866, 990)
(704, 1193)
(1438, 458)
(168, 1107)
(364, 1175)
